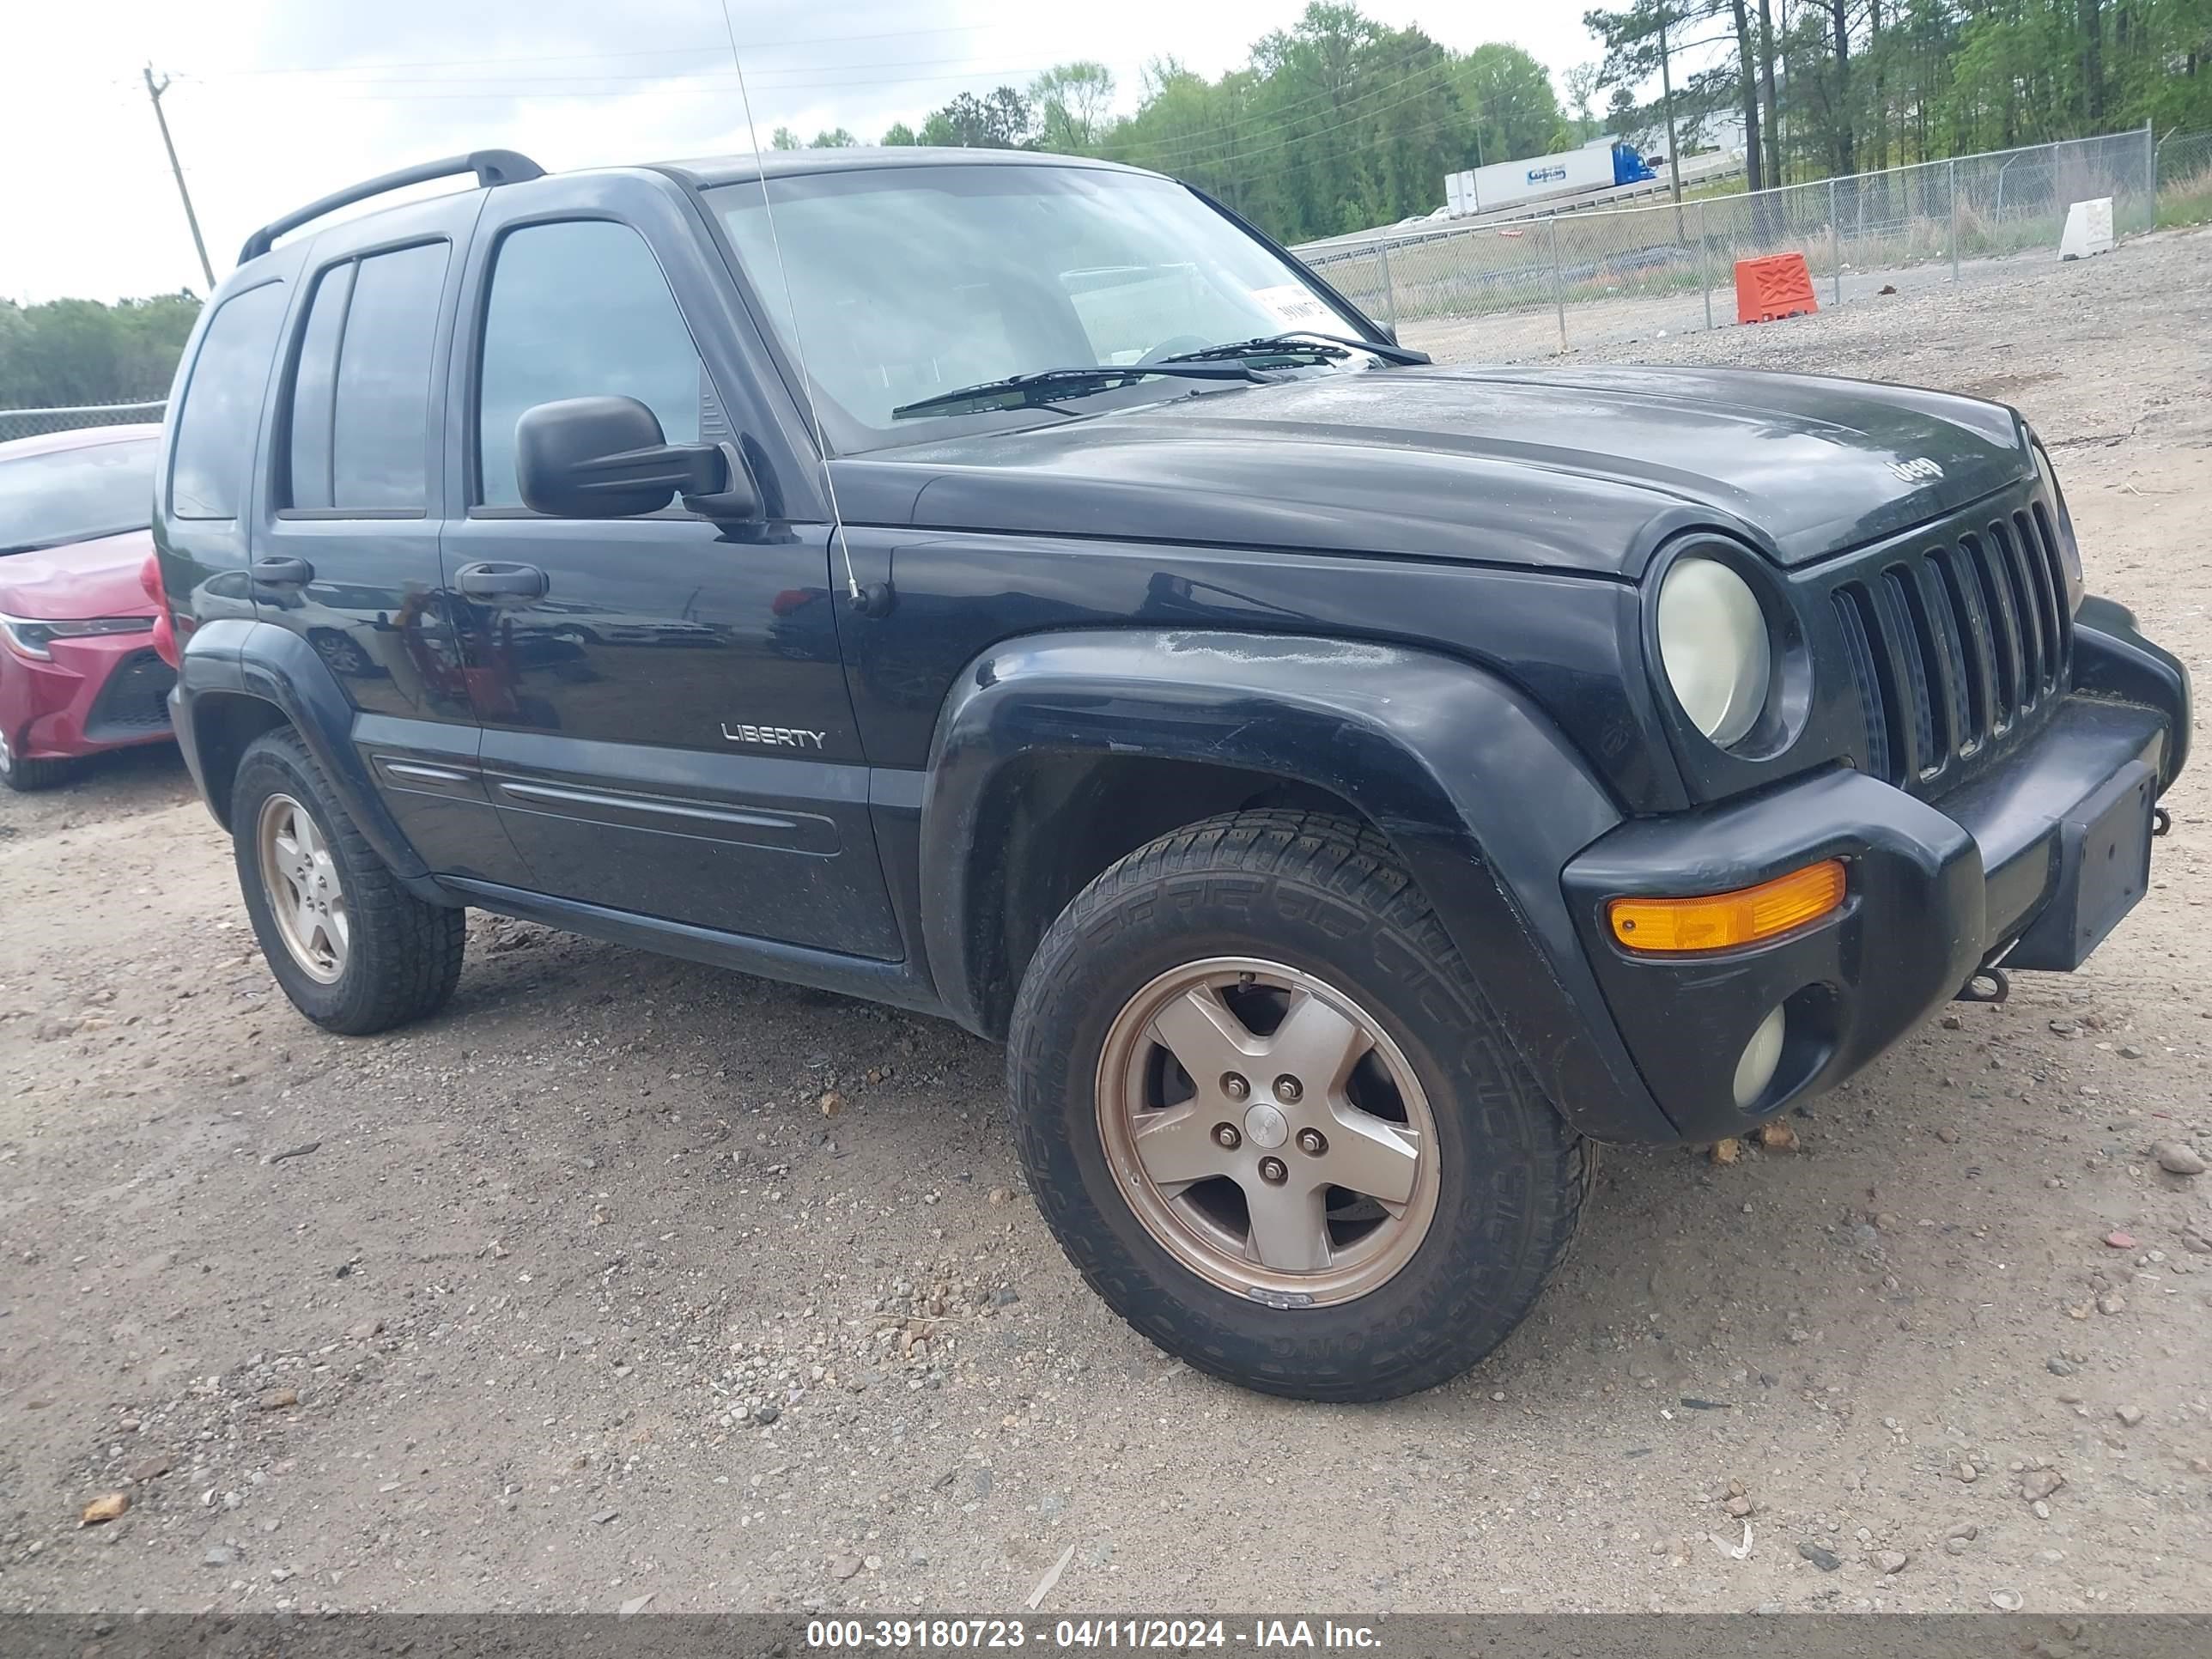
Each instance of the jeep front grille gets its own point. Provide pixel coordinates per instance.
(1955, 645)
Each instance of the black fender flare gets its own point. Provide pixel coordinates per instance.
(2112, 658)
(1473, 785)
(277, 666)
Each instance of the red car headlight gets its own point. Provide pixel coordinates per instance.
(32, 638)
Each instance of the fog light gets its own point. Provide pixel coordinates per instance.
(1755, 1070)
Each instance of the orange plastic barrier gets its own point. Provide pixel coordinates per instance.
(1776, 286)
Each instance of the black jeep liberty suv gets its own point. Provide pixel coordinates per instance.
(1014, 589)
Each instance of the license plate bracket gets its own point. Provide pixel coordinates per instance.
(2104, 869)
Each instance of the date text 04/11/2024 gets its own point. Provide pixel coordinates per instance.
(1262, 1633)
(1170, 1635)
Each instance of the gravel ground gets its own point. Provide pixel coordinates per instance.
(626, 1279)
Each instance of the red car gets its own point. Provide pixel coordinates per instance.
(79, 674)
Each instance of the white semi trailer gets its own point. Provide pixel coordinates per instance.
(1543, 177)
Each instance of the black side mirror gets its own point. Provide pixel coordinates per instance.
(605, 458)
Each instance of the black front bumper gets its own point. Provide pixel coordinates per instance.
(2035, 861)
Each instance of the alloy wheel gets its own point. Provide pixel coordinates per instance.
(1267, 1132)
(342, 655)
(300, 880)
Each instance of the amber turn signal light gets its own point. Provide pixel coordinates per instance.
(1720, 920)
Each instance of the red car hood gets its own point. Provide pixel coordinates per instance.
(83, 580)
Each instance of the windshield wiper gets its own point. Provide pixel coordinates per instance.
(1310, 341)
(1047, 386)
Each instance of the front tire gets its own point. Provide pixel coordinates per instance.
(1272, 1120)
(28, 776)
(355, 950)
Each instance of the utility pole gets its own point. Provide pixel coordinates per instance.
(154, 91)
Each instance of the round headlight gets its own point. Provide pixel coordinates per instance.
(1713, 644)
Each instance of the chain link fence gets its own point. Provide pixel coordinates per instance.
(37, 422)
(1545, 284)
(2182, 163)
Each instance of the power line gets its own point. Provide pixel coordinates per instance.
(488, 88)
(705, 48)
(1377, 142)
(1274, 113)
(672, 73)
(487, 91)
(1220, 144)
(1217, 142)
(1232, 153)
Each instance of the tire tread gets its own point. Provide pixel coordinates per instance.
(412, 950)
(1352, 862)
(27, 777)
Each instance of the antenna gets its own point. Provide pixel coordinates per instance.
(798, 338)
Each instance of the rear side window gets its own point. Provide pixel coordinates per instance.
(359, 430)
(221, 410)
(579, 309)
(313, 383)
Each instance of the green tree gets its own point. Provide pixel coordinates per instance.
(785, 138)
(1653, 44)
(900, 133)
(834, 138)
(1510, 95)
(1071, 100)
(1583, 81)
(1188, 126)
(82, 351)
(1338, 123)
(999, 121)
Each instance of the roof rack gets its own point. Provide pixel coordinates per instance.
(491, 167)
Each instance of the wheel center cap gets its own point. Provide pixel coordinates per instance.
(1266, 1126)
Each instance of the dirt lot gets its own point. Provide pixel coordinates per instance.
(575, 1295)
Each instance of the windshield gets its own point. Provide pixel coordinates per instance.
(75, 494)
(915, 281)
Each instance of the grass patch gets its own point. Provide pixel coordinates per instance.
(2186, 201)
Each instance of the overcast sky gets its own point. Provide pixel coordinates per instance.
(274, 103)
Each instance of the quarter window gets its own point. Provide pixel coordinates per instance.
(313, 383)
(360, 429)
(579, 309)
(381, 431)
(220, 412)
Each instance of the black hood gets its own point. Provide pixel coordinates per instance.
(1567, 469)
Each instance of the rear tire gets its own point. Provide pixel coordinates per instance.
(1283, 917)
(355, 950)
